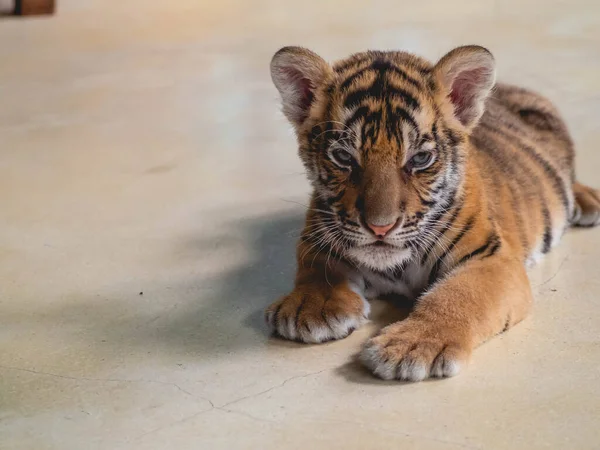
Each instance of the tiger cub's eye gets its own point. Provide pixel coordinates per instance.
(421, 160)
(342, 157)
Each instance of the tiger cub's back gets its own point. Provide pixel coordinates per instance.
(526, 156)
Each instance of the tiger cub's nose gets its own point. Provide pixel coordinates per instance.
(381, 230)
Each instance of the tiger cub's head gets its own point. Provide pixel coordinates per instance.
(382, 136)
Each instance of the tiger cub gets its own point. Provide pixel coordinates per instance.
(430, 181)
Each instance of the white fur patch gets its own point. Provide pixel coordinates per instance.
(536, 254)
(412, 371)
(412, 281)
(371, 358)
(407, 369)
(534, 257)
(379, 258)
(445, 367)
(589, 219)
(359, 290)
(557, 233)
(337, 328)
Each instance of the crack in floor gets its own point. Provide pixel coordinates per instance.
(102, 380)
(562, 263)
(223, 407)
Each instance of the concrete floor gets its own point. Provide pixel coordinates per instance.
(148, 188)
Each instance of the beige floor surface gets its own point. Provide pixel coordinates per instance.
(148, 198)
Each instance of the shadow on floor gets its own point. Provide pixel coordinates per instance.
(224, 312)
(230, 313)
(191, 320)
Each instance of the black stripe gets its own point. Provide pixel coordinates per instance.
(403, 114)
(381, 89)
(378, 92)
(320, 134)
(452, 137)
(436, 267)
(381, 67)
(337, 197)
(541, 120)
(453, 155)
(515, 172)
(299, 310)
(556, 180)
(443, 185)
(360, 204)
(468, 226)
(493, 241)
(370, 128)
(434, 133)
(352, 78)
(438, 215)
(547, 230)
(531, 179)
(425, 71)
(442, 152)
(406, 97)
(406, 77)
(314, 132)
(351, 62)
(516, 205)
(434, 220)
(431, 84)
(359, 114)
(392, 124)
(427, 203)
(510, 162)
(494, 248)
(334, 254)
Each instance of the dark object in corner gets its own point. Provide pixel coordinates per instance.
(34, 7)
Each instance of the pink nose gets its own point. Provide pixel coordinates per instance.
(381, 231)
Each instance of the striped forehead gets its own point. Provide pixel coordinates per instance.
(382, 99)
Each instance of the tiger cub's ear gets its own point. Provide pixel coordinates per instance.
(296, 73)
(468, 73)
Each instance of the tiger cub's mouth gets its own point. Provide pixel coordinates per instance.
(381, 244)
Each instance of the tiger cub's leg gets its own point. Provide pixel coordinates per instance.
(587, 206)
(476, 301)
(323, 305)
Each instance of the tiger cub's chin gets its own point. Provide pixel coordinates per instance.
(379, 258)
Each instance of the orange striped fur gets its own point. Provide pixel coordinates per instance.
(429, 181)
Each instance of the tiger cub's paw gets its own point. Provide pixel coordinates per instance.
(587, 206)
(315, 315)
(412, 350)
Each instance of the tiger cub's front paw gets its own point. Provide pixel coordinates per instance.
(412, 351)
(316, 315)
